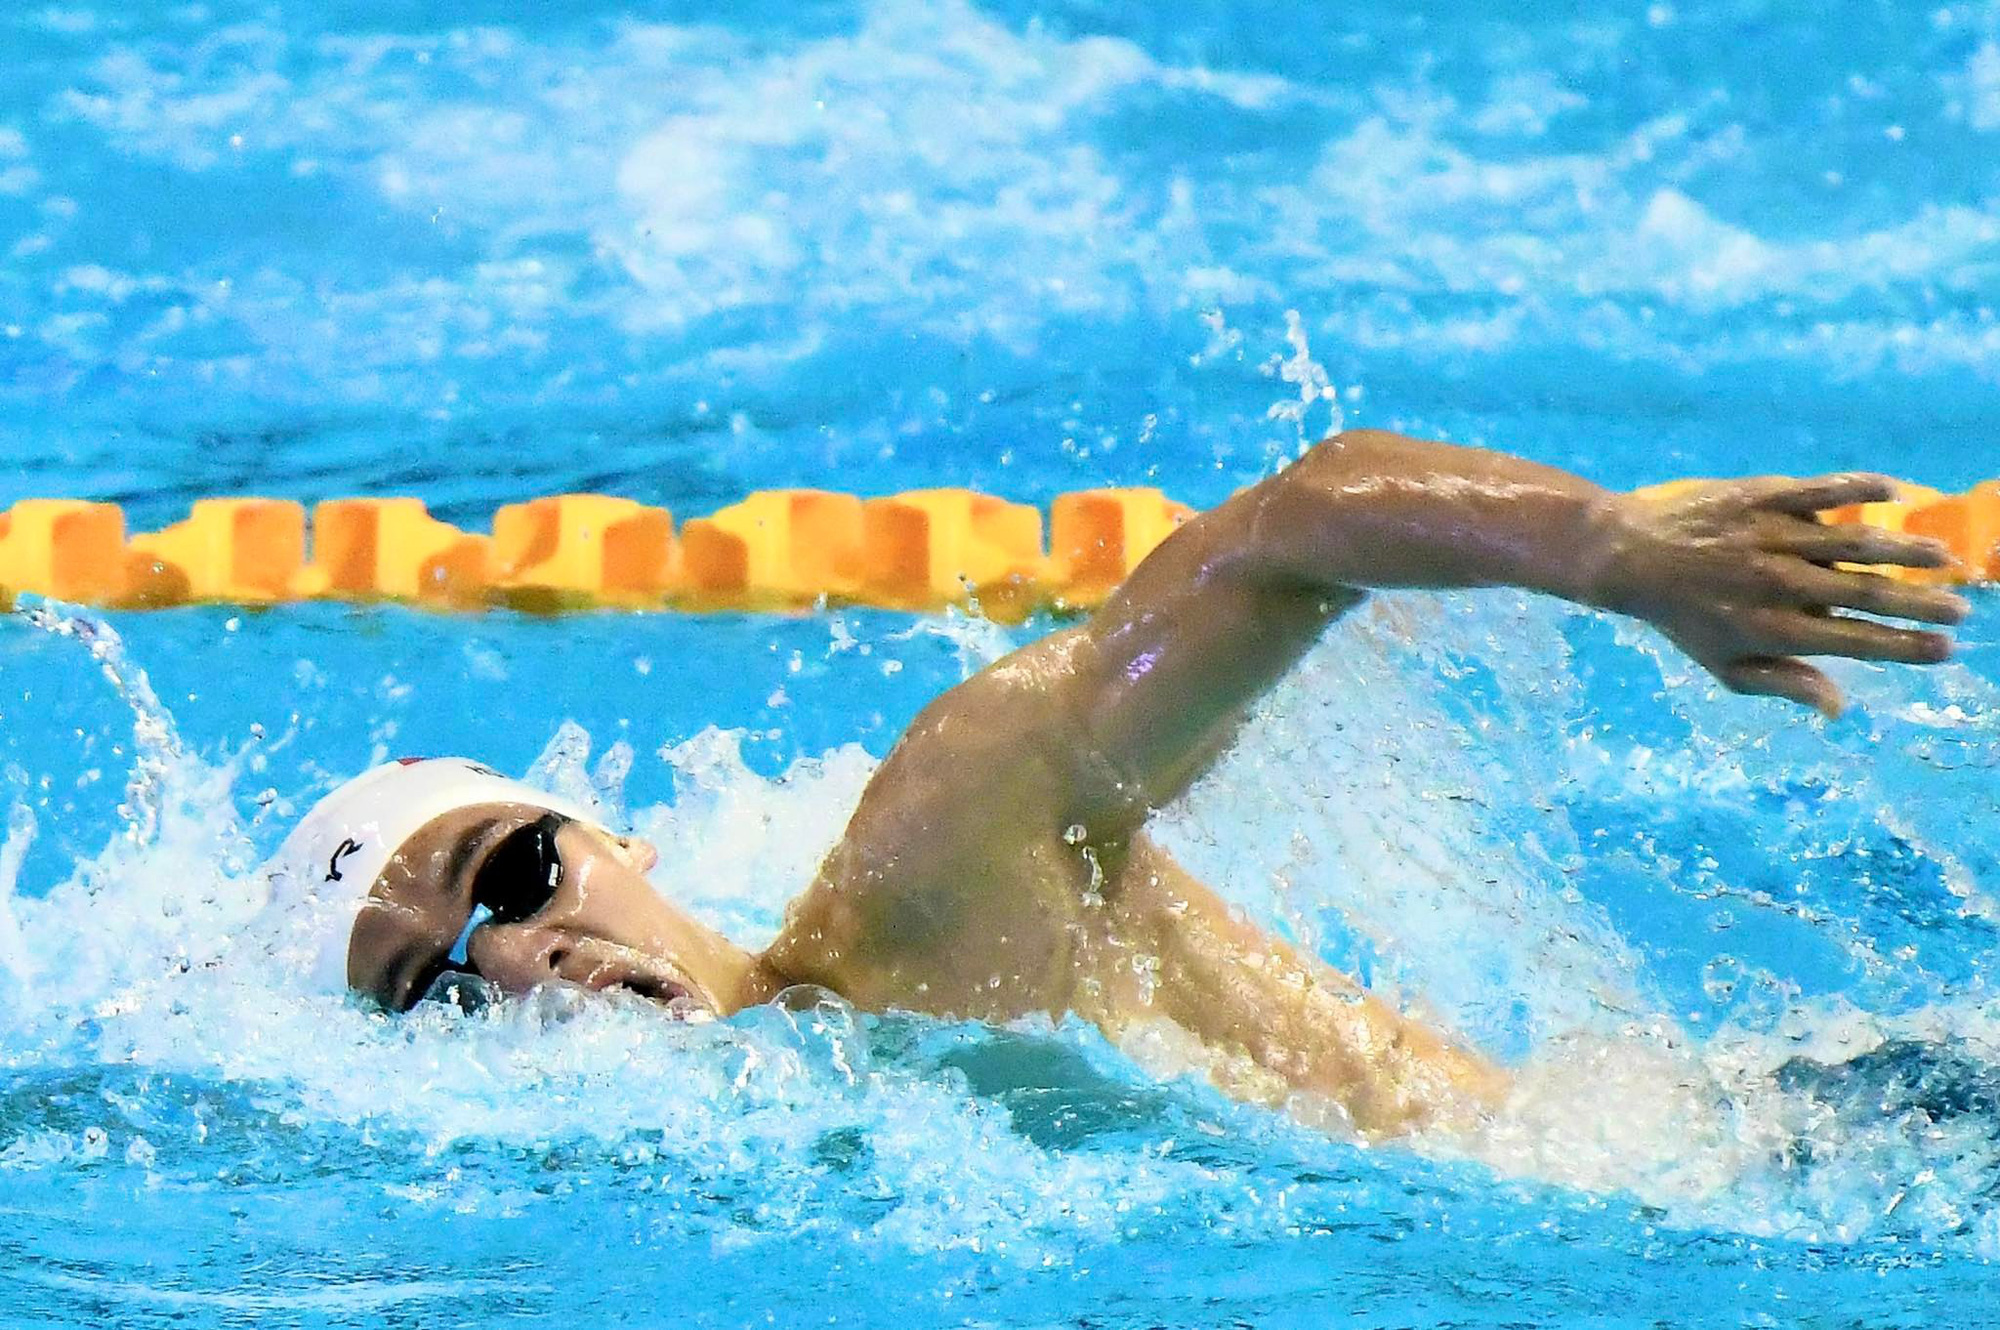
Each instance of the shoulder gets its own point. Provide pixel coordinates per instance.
(1011, 719)
(1025, 689)
(1001, 758)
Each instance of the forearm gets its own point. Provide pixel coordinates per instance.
(1371, 509)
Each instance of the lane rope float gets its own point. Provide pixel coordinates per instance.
(777, 550)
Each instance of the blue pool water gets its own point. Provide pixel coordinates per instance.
(479, 252)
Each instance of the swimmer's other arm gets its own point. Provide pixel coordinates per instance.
(1737, 573)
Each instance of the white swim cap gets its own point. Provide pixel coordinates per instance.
(322, 874)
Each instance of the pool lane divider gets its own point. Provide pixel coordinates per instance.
(776, 550)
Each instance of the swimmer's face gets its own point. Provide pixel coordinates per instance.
(604, 926)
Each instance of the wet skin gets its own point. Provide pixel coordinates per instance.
(998, 865)
(604, 928)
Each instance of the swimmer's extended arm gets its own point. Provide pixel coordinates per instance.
(1738, 573)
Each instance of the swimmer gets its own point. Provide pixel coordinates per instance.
(998, 863)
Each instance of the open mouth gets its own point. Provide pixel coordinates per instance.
(674, 997)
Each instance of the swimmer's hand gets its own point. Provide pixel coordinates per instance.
(1742, 576)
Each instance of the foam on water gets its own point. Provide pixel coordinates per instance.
(140, 965)
(1429, 837)
(1437, 839)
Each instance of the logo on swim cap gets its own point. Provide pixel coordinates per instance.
(347, 846)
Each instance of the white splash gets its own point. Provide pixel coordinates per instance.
(1399, 803)
(1315, 389)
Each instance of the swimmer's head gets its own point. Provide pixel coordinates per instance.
(417, 867)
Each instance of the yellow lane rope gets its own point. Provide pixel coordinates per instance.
(776, 550)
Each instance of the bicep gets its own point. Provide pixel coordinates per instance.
(1163, 673)
(1098, 725)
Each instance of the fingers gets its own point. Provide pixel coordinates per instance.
(1852, 543)
(1799, 633)
(1783, 494)
(1871, 593)
(1783, 676)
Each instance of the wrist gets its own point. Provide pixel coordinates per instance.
(1604, 571)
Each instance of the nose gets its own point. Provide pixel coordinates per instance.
(642, 854)
(516, 957)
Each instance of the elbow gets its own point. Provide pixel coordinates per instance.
(1342, 474)
(1315, 526)
(1357, 456)
(1310, 524)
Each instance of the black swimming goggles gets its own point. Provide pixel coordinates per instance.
(516, 881)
